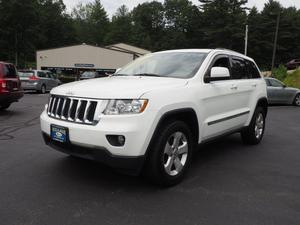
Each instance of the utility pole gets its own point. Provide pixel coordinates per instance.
(246, 39)
(275, 41)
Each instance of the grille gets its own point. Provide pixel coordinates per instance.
(76, 110)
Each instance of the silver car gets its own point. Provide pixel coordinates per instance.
(38, 80)
(278, 93)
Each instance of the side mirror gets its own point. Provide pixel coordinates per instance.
(219, 72)
(117, 70)
(284, 86)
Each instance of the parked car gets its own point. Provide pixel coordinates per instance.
(90, 75)
(154, 112)
(10, 85)
(293, 64)
(38, 80)
(279, 93)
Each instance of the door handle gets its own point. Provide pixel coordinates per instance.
(234, 87)
(254, 85)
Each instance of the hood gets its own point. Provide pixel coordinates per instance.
(116, 87)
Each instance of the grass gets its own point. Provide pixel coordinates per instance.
(293, 79)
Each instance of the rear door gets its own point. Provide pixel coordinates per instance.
(11, 78)
(43, 80)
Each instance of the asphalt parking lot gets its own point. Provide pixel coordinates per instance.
(228, 183)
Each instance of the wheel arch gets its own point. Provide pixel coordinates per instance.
(187, 115)
(263, 102)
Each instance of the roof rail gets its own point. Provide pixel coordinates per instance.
(229, 50)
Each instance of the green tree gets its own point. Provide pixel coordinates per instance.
(223, 23)
(148, 25)
(182, 19)
(121, 27)
(91, 22)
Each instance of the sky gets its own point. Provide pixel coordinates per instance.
(112, 5)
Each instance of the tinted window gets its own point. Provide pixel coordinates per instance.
(41, 74)
(252, 70)
(9, 71)
(239, 69)
(222, 62)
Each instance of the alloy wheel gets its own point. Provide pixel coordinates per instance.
(259, 125)
(175, 153)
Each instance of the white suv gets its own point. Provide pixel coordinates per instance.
(153, 113)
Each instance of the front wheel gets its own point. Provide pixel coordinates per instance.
(171, 154)
(297, 100)
(253, 134)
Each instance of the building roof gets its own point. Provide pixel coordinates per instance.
(129, 48)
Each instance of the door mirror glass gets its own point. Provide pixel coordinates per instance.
(219, 72)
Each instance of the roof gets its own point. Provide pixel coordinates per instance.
(83, 44)
(129, 48)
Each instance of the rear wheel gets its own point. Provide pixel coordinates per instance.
(297, 100)
(253, 134)
(5, 106)
(43, 89)
(171, 154)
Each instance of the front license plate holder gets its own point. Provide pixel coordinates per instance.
(59, 134)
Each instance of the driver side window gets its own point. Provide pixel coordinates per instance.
(275, 83)
(219, 61)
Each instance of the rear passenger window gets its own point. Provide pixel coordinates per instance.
(9, 71)
(42, 74)
(239, 69)
(252, 70)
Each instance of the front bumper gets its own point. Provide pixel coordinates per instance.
(137, 130)
(132, 165)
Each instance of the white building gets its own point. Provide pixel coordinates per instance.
(78, 58)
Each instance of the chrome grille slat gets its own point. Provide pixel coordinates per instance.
(57, 107)
(63, 109)
(70, 108)
(87, 108)
(76, 110)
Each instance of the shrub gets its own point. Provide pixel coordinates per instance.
(280, 73)
(293, 79)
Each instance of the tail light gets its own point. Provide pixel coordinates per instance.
(33, 77)
(2, 86)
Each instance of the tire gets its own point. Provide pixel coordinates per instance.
(4, 107)
(43, 89)
(253, 134)
(170, 156)
(297, 100)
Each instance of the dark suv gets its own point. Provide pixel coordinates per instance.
(10, 85)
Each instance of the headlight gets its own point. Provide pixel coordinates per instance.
(132, 106)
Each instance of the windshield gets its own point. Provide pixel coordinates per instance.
(168, 64)
(88, 75)
(26, 74)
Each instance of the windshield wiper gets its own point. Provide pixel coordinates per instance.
(147, 75)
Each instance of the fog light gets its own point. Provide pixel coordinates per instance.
(121, 140)
(116, 140)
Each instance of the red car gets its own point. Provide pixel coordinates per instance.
(293, 64)
(10, 85)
